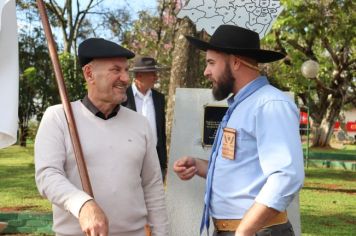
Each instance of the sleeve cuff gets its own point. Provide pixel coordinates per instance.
(280, 204)
(76, 201)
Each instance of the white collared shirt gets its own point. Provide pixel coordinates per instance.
(145, 107)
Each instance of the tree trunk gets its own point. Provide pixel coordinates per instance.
(323, 131)
(183, 69)
(322, 135)
(23, 134)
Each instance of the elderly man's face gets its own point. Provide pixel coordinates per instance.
(219, 73)
(147, 79)
(109, 80)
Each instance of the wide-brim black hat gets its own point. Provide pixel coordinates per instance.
(100, 48)
(239, 41)
(145, 64)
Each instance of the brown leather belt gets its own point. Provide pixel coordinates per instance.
(231, 225)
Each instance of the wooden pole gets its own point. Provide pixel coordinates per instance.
(83, 172)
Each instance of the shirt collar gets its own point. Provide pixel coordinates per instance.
(232, 98)
(93, 109)
(136, 92)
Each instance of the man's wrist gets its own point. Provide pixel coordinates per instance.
(80, 210)
(242, 232)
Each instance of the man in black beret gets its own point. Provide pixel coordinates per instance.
(143, 98)
(256, 163)
(118, 149)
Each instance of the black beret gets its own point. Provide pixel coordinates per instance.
(100, 48)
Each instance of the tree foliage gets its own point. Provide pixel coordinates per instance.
(322, 31)
(152, 35)
(37, 89)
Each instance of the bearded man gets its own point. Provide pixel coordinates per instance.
(256, 165)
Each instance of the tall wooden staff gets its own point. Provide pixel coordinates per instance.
(83, 172)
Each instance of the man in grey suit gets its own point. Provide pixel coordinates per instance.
(141, 97)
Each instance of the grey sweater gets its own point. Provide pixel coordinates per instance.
(122, 164)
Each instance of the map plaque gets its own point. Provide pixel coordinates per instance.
(256, 15)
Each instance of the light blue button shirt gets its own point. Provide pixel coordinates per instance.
(268, 165)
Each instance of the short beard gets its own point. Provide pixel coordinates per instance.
(124, 99)
(224, 84)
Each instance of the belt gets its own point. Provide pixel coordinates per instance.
(231, 225)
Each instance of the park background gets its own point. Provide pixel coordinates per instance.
(318, 30)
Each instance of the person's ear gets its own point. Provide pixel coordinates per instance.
(88, 73)
(235, 63)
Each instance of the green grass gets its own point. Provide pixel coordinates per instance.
(346, 149)
(349, 147)
(18, 191)
(327, 203)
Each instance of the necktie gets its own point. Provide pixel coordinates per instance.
(233, 102)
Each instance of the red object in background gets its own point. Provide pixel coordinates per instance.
(303, 118)
(351, 126)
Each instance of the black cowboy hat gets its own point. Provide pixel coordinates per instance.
(145, 64)
(100, 48)
(239, 41)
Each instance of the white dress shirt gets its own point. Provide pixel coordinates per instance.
(145, 107)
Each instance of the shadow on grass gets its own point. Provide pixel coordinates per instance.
(16, 176)
(330, 225)
(327, 189)
(331, 174)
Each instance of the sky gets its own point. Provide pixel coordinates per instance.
(135, 5)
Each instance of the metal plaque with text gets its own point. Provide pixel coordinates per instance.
(212, 119)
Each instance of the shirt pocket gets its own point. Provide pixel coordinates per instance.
(245, 144)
